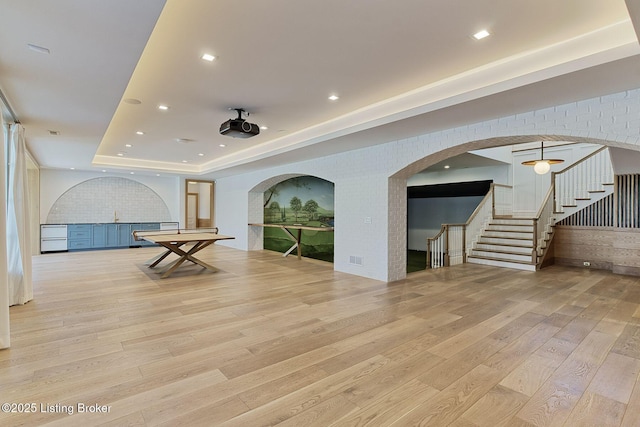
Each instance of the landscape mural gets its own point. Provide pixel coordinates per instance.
(304, 200)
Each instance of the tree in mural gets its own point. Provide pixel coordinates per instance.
(274, 211)
(310, 207)
(273, 191)
(297, 182)
(296, 206)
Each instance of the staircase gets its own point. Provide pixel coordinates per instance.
(520, 243)
(492, 236)
(506, 242)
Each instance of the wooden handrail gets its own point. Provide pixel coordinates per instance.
(479, 207)
(437, 236)
(584, 159)
(550, 192)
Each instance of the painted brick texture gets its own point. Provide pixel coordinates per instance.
(371, 182)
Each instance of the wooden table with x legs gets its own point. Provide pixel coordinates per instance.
(174, 240)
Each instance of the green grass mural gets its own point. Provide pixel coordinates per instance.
(304, 201)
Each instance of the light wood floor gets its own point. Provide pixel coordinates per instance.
(269, 340)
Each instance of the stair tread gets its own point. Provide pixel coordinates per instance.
(507, 231)
(510, 225)
(495, 219)
(501, 259)
(506, 237)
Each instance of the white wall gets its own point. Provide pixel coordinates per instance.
(624, 162)
(426, 216)
(529, 188)
(360, 208)
(54, 183)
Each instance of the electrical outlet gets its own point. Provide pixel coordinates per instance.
(586, 264)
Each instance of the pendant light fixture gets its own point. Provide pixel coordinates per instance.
(542, 165)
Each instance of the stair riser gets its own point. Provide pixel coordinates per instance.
(505, 257)
(504, 234)
(511, 228)
(503, 248)
(493, 263)
(513, 221)
(500, 241)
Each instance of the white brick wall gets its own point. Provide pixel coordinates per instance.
(371, 182)
(99, 199)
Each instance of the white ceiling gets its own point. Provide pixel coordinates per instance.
(400, 68)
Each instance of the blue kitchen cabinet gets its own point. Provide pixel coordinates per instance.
(98, 236)
(109, 235)
(78, 236)
(118, 235)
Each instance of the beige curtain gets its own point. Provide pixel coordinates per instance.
(18, 227)
(4, 276)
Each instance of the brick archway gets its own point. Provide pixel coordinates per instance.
(397, 184)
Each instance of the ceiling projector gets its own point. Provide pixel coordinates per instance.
(239, 127)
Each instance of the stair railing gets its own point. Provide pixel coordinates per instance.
(454, 241)
(502, 201)
(437, 249)
(575, 181)
(479, 219)
(543, 226)
(447, 247)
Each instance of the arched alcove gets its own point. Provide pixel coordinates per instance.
(264, 200)
(107, 199)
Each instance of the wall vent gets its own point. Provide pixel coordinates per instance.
(355, 260)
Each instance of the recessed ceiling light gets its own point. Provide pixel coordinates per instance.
(132, 101)
(128, 145)
(39, 49)
(132, 173)
(208, 57)
(185, 161)
(163, 107)
(481, 34)
(447, 166)
(201, 154)
(139, 132)
(104, 170)
(222, 145)
(264, 127)
(157, 174)
(333, 97)
(120, 154)
(72, 169)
